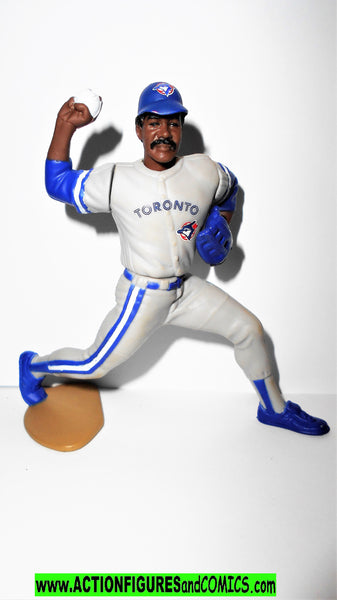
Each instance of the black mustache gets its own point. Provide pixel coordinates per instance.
(163, 140)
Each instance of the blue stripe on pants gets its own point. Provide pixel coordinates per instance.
(114, 336)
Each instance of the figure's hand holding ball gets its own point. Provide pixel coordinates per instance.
(91, 100)
(80, 110)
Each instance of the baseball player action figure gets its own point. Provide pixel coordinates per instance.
(165, 207)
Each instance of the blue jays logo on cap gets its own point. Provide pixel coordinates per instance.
(161, 98)
(164, 89)
(187, 231)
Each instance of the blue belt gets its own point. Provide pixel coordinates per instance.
(154, 285)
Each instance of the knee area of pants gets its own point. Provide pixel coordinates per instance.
(250, 329)
(256, 327)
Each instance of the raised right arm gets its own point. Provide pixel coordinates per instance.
(62, 182)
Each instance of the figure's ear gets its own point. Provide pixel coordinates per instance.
(139, 132)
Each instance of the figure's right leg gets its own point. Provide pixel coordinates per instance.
(138, 312)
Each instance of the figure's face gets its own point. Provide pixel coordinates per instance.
(161, 136)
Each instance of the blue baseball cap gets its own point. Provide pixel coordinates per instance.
(161, 98)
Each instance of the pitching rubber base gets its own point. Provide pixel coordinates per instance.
(68, 419)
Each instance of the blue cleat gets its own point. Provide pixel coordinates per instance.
(30, 386)
(293, 418)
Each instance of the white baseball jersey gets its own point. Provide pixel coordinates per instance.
(158, 213)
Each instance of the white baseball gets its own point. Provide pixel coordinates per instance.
(91, 100)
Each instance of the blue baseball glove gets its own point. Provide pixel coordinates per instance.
(215, 239)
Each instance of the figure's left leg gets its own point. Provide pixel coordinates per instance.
(206, 307)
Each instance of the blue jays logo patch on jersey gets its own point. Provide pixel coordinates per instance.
(187, 231)
(164, 89)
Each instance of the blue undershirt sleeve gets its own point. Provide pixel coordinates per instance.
(65, 184)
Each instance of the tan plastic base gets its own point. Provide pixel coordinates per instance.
(68, 419)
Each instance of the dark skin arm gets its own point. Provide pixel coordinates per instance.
(70, 117)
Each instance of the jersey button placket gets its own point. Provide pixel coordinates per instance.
(169, 224)
(171, 230)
